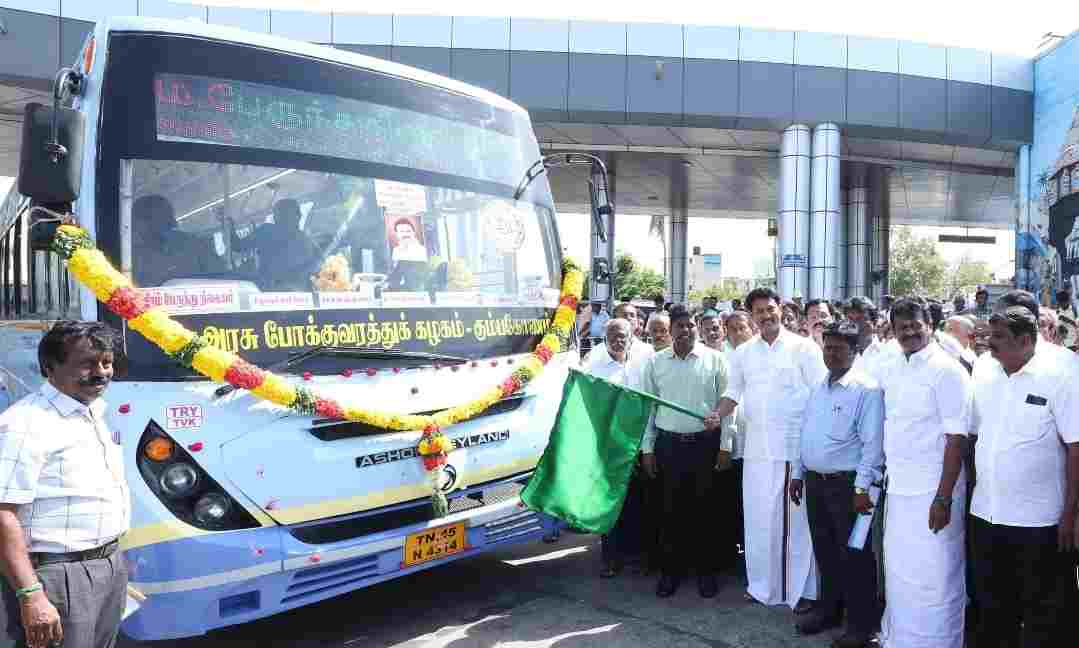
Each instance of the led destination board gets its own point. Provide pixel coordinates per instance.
(224, 112)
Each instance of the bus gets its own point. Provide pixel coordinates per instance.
(365, 226)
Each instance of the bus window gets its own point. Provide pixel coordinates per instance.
(34, 284)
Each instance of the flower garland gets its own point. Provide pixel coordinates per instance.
(90, 267)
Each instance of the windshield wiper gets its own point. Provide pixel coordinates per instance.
(350, 352)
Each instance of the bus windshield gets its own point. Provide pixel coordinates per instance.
(341, 206)
(267, 231)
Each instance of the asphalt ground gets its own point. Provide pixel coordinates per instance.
(529, 596)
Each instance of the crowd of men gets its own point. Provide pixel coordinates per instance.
(901, 473)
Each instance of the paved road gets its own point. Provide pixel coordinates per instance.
(531, 596)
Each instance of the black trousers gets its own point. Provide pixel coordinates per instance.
(1025, 587)
(848, 577)
(692, 521)
(626, 538)
(727, 493)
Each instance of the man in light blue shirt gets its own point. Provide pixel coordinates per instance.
(841, 456)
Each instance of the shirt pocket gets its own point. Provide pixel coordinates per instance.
(1032, 422)
(840, 431)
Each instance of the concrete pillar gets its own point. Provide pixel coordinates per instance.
(880, 204)
(603, 292)
(793, 216)
(825, 228)
(1023, 222)
(841, 247)
(857, 234)
(678, 234)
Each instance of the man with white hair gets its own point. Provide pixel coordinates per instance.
(619, 359)
(659, 330)
(961, 329)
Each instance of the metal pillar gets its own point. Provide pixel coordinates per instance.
(678, 236)
(604, 292)
(793, 216)
(879, 201)
(841, 247)
(825, 228)
(1023, 222)
(857, 233)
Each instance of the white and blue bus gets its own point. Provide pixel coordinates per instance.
(365, 226)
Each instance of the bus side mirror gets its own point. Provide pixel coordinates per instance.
(50, 170)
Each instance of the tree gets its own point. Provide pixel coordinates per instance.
(631, 280)
(726, 290)
(916, 266)
(965, 275)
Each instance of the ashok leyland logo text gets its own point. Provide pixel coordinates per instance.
(389, 456)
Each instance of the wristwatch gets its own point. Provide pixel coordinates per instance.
(859, 491)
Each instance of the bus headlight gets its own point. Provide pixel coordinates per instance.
(184, 487)
(178, 480)
(212, 508)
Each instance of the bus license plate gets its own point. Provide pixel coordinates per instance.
(433, 544)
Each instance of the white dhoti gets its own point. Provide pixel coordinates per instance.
(779, 551)
(925, 585)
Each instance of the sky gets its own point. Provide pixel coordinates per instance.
(743, 242)
(1013, 27)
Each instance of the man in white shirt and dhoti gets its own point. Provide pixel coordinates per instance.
(771, 377)
(927, 400)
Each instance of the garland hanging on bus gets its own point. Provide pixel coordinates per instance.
(90, 267)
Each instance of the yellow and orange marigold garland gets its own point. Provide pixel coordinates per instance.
(93, 270)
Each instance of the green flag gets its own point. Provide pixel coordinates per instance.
(584, 472)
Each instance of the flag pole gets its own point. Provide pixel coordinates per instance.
(659, 401)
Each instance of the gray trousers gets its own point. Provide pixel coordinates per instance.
(89, 596)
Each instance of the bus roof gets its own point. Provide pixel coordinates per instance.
(302, 48)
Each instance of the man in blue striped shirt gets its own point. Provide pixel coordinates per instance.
(841, 456)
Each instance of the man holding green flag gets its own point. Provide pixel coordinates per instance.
(686, 449)
(583, 475)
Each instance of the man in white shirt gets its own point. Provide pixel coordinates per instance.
(1026, 417)
(712, 332)
(659, 330)
(771, 378)
(63, 499)
(927, 406)
(619, 359)
(739, 328)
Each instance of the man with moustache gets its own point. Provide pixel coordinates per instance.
(63, 500)
(619, 359)
(730, 481)
(772, 377)
(684, 449)
(628, 312)
(1026, 417)
(659, 330)
(712, 333)
(840, 459)
(927, 399)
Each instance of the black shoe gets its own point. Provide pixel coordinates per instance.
(667, 586)
(816, 624)
(849, 640)
(706, 585)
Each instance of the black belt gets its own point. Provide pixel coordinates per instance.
(97, 553)
(845, 475)
(685, 437)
